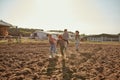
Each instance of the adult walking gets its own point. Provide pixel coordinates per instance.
(65, 38)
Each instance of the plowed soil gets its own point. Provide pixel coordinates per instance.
(31, 62)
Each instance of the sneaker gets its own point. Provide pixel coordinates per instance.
(59, 55)
(50, 56)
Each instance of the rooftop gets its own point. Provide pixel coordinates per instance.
(3, 23)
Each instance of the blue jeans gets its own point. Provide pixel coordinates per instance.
(77, 44)
(52, 48)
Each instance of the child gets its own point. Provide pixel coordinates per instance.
(77, 40)
(52, 45)
(61, 43)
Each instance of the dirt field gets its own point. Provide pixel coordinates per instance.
(31, 62)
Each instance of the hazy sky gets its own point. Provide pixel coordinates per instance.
(87, 16)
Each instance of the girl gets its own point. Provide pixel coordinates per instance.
(61, 43)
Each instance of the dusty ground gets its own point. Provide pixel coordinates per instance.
(31, 62)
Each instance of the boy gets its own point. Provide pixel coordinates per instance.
(52, 45)
(77, 40)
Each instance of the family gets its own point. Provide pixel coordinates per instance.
(62, 42)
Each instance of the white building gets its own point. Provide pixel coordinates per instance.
(39, 35)
(103, 37)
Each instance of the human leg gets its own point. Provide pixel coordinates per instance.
(51, 50)
(62, 50)
(77, 46)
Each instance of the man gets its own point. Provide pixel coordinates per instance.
(66, 37)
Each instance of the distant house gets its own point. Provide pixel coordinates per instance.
(42, 35)
(103, 37)
(4, 26)
(38, 34)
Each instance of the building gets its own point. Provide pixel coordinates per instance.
(4, 26)
(38, 34)
(103, 37)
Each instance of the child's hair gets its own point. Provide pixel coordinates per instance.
(77, 31)
(60, 36)
(48, 35)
